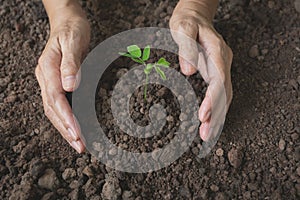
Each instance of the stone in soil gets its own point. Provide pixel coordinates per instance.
(88, 171)
(235, 157)
(219, 152)
(111, 189)
(49, 196)
(281, 144)
(253, 51)
(48, 180)
(36, 167)
(68, 174)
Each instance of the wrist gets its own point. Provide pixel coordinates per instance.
(205, 9)
(60, 11)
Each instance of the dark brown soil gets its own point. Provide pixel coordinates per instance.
(256, 157)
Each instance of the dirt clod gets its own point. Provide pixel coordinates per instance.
(214, 188)
(111, 189)
(254, 51)
(235, 157)
(48, 180)
(68, 174)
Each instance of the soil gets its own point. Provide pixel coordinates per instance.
(256, 157)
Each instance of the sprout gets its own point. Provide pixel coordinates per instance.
(137, 55)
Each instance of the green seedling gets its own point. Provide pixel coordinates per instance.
(137, 55)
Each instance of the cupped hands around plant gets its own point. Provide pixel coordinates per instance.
(137, 55)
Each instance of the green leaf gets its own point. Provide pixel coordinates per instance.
(146, 71)
(135, 51)
(126, 54)
(137, 60)
(146, 53)
(148, 68)
(161, 73)
(162, 62)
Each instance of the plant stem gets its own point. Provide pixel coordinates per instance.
(145, 87)
(146, 81)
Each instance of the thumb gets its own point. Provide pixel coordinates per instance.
(185, 34)
(70, 66)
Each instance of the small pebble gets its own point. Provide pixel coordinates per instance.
(254, 51)
(235, 157)
(219, 152)
(88, 171)
(126, 194)
(183, 117)
(264, 51)
(121, 72)
(294, 84)
(111, 189)
(281, 144)
(271, 4)
(68, 174)
(214, 188)
(11, 98)
(295, 136)
(112, 151)
(49, 196)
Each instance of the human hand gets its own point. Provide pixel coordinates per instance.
(58, 68)
(193, 19)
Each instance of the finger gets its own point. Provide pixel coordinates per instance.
(57, 100)
(185, 66)
(209, 133)
(55, 120)
(204, 130)
(66, 133)
(185, 34)
(214, 61)
(202, 65)
(213, 108)
(205, 109)
(53, 91)
(70, 64)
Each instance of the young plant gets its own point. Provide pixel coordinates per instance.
(137, 55)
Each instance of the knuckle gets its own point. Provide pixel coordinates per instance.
(178, 22)
(187, 25)
(69, 68)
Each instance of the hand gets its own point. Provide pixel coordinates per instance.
(58, 69)
(187, 20)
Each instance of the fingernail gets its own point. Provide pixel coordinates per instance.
(77, 145)
(72, 134)
(69, 82)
